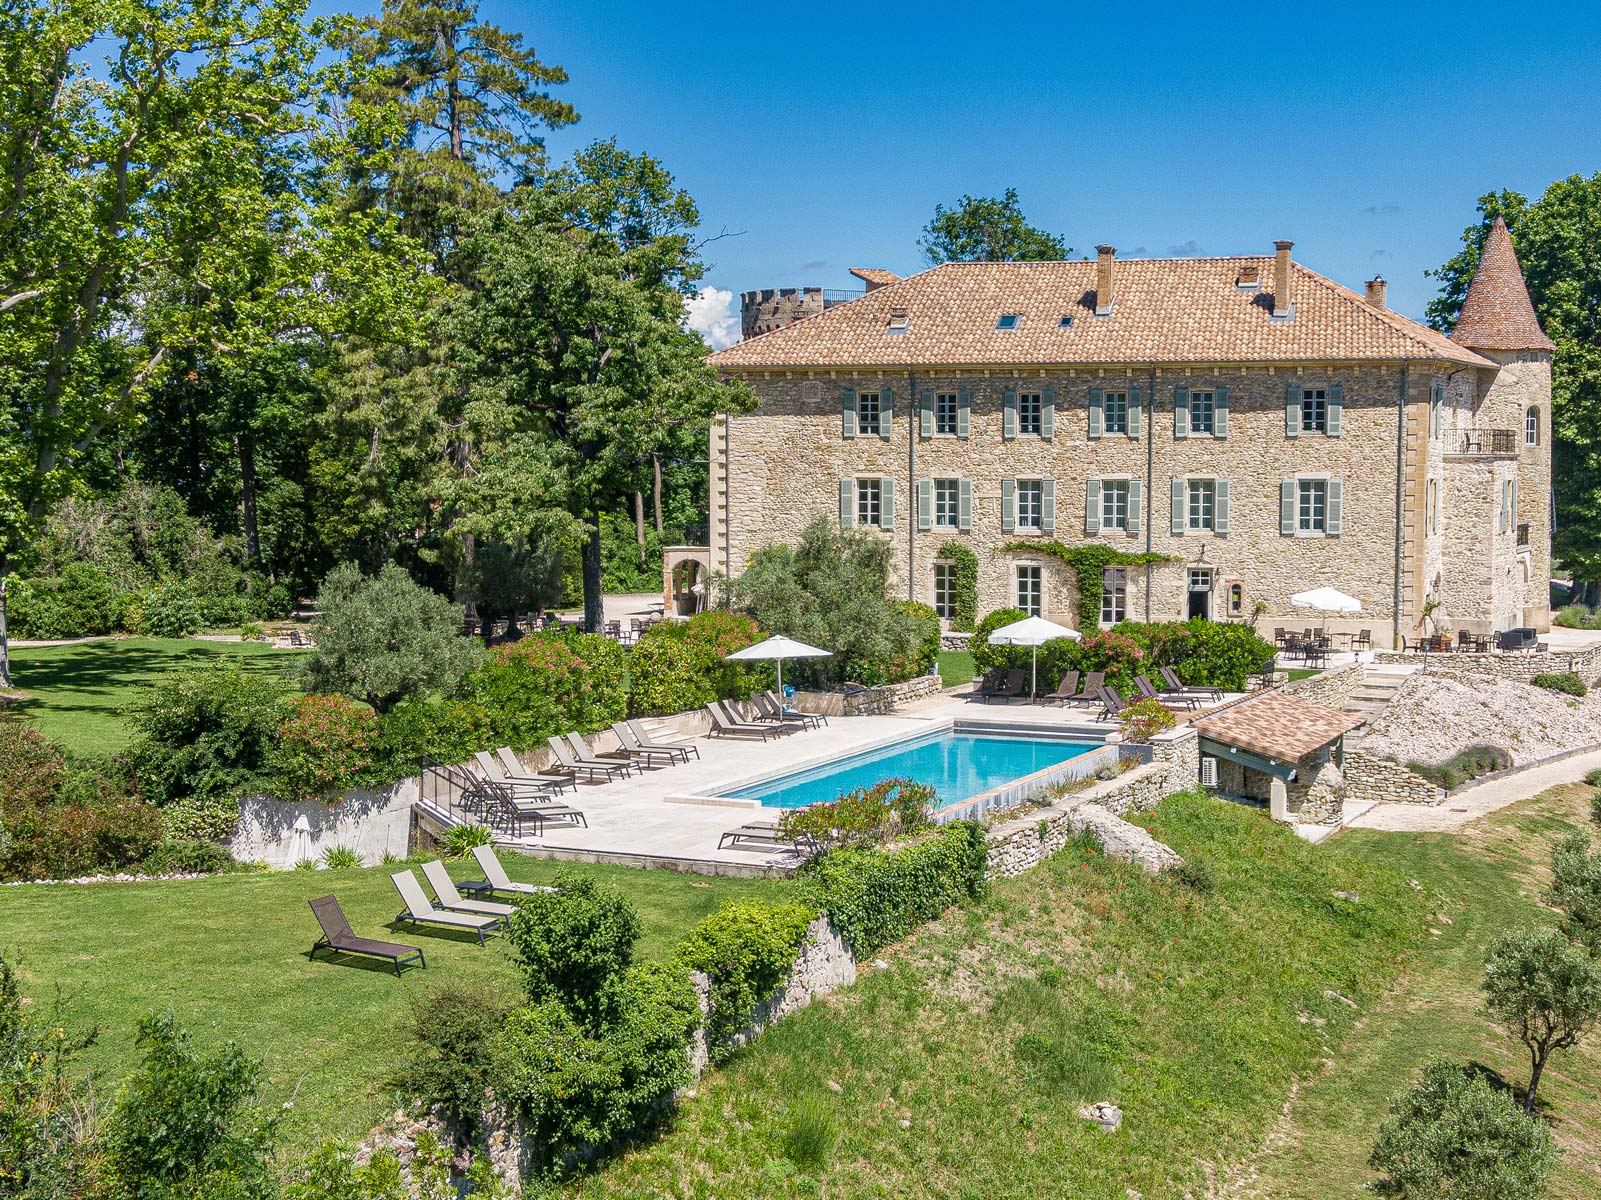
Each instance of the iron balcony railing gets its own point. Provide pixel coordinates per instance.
(1488, 441)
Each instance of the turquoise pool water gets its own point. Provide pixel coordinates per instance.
(957, 765)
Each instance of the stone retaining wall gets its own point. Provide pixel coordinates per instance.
(1369, 778)
(1331, 688)
(1521, 667)
(372, 823)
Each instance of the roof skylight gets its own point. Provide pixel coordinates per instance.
(899, 322)
(1008, 321)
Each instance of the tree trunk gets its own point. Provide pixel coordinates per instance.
(247, 490)
(1537, 1067)
(639, 526)
(5, 645)
(656, 489)
(594, 610)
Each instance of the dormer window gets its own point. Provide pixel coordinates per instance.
(1007, 322)
(1065, 323)
(1248, 280)
(899, 323)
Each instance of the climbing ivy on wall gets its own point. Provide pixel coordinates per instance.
(1089, 564)
(964, 564)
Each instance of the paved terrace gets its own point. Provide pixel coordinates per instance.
(665, 817)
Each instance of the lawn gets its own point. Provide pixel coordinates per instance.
(955, 1071)
(229, 954)
(1486, 880)
(955, 666)
(76, 693)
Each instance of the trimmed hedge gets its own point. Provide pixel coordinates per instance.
(746, 948)
(1567, 682)
(549, 683)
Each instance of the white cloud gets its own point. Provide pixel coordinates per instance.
(714, 315)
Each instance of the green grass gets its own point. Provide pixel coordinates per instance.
(229, 954)
(956, 666)
(1484, 881)
(76, 694)
(956, 1071)
(1293, 673)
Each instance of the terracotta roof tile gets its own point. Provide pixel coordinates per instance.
(875, 276)
(1182, 310)
(1497, 313)
(1277, 725)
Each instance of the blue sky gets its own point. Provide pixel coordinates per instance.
(825, 133)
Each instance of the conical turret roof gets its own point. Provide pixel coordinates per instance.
(1497, 313)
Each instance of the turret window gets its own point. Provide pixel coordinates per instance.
(1531, 427)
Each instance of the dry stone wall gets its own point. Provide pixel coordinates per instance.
(1518, 666)
(1369, 778)
(1331, 688)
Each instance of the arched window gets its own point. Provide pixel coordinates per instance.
(1531, 427)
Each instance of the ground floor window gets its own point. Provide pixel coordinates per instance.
(1029, 594)
(1114, 596)
(869, 498)
(945, 590)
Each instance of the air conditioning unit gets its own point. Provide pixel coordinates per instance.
(1208, 771)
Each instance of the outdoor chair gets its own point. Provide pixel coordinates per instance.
(1175, 684)
(586, 755)
(657, 740)
(725, 726)
(1090, 693)
(1279, 636)
(765, 835)
(521, 787)
(790, 713)
(420, 912)
(1010, 686)
(515, 773)
(495, 878)
(1112, 705)
(648, 756)
(1148, 691)
(1364, 640)
(1066, 688)
(445, 892)
(299, 640)
(769, 709)
(566, 762)
(338, 937)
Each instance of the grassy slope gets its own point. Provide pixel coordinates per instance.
(1488, 880)
(76, 693)
(958, 1068)
(229, 954)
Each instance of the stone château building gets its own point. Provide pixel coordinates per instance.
(1258, 427)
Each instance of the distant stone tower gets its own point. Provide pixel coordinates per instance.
(773, 308)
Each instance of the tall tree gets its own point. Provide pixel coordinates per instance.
(987, 229)
(573, 331)
(1556, 238)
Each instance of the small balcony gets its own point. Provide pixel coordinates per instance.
(1502, 443)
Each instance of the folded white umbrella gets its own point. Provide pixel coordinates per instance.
(1327, 599)
(778, 648)
(1034, 632)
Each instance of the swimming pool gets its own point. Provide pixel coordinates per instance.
(957, 765)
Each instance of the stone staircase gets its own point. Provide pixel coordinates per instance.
(1372, 698)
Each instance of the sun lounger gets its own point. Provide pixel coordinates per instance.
(585, 755)
(337, 936)
(765, 835)
(521, 787)
(1175, 684)
(1090, 693)
(657, 740)
(495, 878)
(445, 892)
(1006, 688)
(1066, 689)
(1111, 705)
(768, 709)
(813, 720)
(420, 912)
(514, 771)
(566, 762)
(725, 726)
(1172, 699)
(648, 756)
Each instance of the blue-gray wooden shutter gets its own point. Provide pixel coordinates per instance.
(1092, 506)
(847, 502)
(847, 412)
(1287, 507)
(925, 412)
(1178, 506)
(964, 505)
(1336, 408)
(886, 503)
(1220, 412)
(964, 411)
(1220, 506)
(1334, 515)
(1136, 505)
(1009, 413)
(1048, 414)
(925, 504)
(1008, 505)
(1292, 410)
(1047, 506)
(1097, 412)
(1136, 413)
(886, 411)
(1181, 412)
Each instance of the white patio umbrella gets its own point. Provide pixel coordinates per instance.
(1327, 600)
(1033, 632)
(777, 649)
(300, 841)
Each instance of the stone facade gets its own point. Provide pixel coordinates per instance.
(776, 469)
(1586, 664)
(1369, 778)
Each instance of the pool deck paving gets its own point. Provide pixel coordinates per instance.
(676, 816)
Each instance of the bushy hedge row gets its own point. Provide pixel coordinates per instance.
(680, 665)
(746, 948)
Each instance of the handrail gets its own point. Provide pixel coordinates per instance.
(1488, 441)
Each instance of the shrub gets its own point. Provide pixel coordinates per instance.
(447, 731)
(32, 767)
(1560, 681)
(325, 744)
(385, 638)
(1203, 653)
(205, 733)
(341, 858)
(746, 948)
(450, 1057)
(1593, 778)
(867, 815)
(1577, 616)
(1545, 991)
(1454, 1135)
(927, 650)
(573, 943)
(987, 658)
(875, 897)
(1464, 765)
(1595, 808)
(1144, 719)
(1195, 874)
(809, 1133)
(200, 818)
(42, 1102)
(549, 683)
(683, 665)
(576, 1088)
(460, 840)
(188, 856)
(80, 602)
(172, 611)
(1576, 889)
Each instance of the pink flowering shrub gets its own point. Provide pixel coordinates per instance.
(325, 744)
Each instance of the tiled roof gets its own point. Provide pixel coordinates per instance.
(1167, 310)
(875, 276)
(1497, 313)
(1277, 725)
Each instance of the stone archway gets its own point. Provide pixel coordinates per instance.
(686, 579)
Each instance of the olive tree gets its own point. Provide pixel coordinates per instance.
(1576, 889)
(1545, 990)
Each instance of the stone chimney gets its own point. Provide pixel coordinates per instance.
(1283, 301)
(1376, 289)
(1105, 291)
